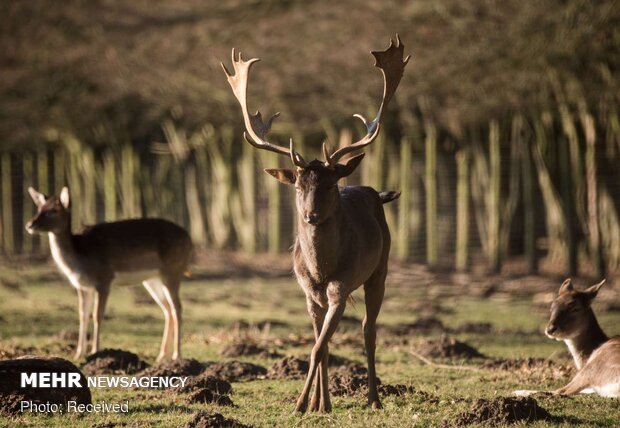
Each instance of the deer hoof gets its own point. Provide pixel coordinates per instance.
(375, 405)
(302, 406)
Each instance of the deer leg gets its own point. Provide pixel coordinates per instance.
(101, 298)
(579, 383)
(374, 290)
(156, 289)
(319, 350)
(172, 293)
(325, 405)
(85, 302)
(317, 316)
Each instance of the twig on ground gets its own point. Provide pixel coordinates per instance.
(443, 366)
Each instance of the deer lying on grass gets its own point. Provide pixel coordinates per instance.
(596, 356)
(343, 239)
(153, 251)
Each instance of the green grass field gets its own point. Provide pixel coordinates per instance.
(36, 304)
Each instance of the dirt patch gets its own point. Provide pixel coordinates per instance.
(421, 325)
(447, 347)
(297, 368)
(474, 327)
(263, 325)
(397, 390)
(528, 366)
(13, 352)
(349, 380)
(113, 361)
(236, 370)
(207, 389)
(69, 336)
(213, 383)
(245, 349)
(204, 419)
(289, 368)
(502, 411)
(181, 367)
(12, 394)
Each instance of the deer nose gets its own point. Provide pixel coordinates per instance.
(551, 328)
(312, 218)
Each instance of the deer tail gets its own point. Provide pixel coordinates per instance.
(388, 196)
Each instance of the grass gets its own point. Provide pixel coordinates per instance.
(36, 304)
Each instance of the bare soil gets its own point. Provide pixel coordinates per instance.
(236, 370)
(447, 347)
(260, 325)
(297, 368)
(181, 367)
(203, 419)
(113, 361)
(421, 325)
(502, 411)
(549, 368)
(207, 389)
(11, 393)
(289, 368)
(245, 349)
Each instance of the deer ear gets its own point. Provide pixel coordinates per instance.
(348, 168)
(37, 197)
(592, 291)
(286, 176)
(65, 199)
(566, 286)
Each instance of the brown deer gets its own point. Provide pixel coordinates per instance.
(596, 356)
(153, 251)
(343, 240)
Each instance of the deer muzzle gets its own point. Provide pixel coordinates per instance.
(312, 218)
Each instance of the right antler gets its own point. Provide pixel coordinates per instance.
(256, 129)
(391, 63)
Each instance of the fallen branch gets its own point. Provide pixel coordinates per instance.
(442, 366)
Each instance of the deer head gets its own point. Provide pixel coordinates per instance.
(53, 213)
(570, 311)
(316, 181)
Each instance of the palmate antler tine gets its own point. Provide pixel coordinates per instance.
(256, 129)
(392, 65)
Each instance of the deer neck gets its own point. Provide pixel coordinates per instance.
(585, 343)
(64, 252)
(321, 245)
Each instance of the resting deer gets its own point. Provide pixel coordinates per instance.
(596, 356)
(343, 240)
(153, 251)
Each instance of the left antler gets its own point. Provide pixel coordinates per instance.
(391, 63)
(256, 129)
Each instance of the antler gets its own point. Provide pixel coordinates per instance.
(256, 129)
(391, 63)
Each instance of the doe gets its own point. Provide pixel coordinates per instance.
(596, 356)
(343, 240)
(153, 251)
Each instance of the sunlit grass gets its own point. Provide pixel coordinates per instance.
(39, 304)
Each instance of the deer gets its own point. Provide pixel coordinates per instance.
(596, 356)
(343, 240)
(153, 251)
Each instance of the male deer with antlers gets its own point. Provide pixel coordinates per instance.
(343, 239)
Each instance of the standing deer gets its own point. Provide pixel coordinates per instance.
(343, 240)
(153, 251)
(596, 356)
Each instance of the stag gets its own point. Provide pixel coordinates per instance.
(343, 240)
